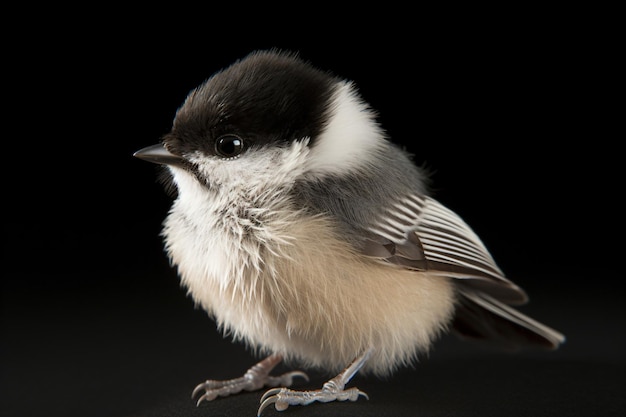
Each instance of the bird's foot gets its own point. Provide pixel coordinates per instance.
(255, 378)
(333, 390)
(282, 398)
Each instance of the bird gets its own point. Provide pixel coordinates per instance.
(310, 236)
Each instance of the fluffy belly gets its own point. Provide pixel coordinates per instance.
(314, 299)
(332, 307)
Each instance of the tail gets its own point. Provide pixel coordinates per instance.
(482, 317)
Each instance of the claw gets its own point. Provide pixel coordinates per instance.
(294, 374)
(300, 374)
(255, 378)
(209, 395)
(332, 390)
(206, 397)
(197, 389)
(272, 396)
(363, 394)
(286, 379)
(266, 402)
(269, 393)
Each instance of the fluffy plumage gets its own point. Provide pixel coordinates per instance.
(312, 235)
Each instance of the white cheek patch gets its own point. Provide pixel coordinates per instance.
(270, 166)
(259, 178)
(351, 138)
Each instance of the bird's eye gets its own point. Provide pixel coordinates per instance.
(229, 146)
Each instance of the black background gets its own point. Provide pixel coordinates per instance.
(514, 117)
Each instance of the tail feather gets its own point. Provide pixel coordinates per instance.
(482, 317)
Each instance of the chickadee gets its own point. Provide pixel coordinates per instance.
(307, 234)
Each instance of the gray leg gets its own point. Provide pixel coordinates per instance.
(333, 390)
(255, 378)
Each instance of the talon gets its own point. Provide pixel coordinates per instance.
(269, 393)
(266, 402)
(363, 394)
(286, 379)
(300, 374)
(208, 396)
(197, 389)
(199, 401)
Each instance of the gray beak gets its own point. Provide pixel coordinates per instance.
(159, 155)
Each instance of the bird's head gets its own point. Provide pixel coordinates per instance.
(269, 118)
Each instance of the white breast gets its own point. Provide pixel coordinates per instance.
(301, 292)
(282, 280)
(220, 235)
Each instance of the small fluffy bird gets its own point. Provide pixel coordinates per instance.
(305, 232)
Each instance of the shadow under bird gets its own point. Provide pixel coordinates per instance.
(309, 235)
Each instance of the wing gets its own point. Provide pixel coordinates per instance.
(418, 232)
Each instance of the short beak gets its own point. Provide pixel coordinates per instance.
(159, 155)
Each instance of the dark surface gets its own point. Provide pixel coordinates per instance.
(95, 353)
(511, 120)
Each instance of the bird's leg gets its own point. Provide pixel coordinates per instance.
(333, 390)
(255, 378)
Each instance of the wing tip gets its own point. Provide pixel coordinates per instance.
(483, 318)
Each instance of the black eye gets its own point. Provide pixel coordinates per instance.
(229, 146)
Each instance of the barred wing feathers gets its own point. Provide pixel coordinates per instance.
(419, 233)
